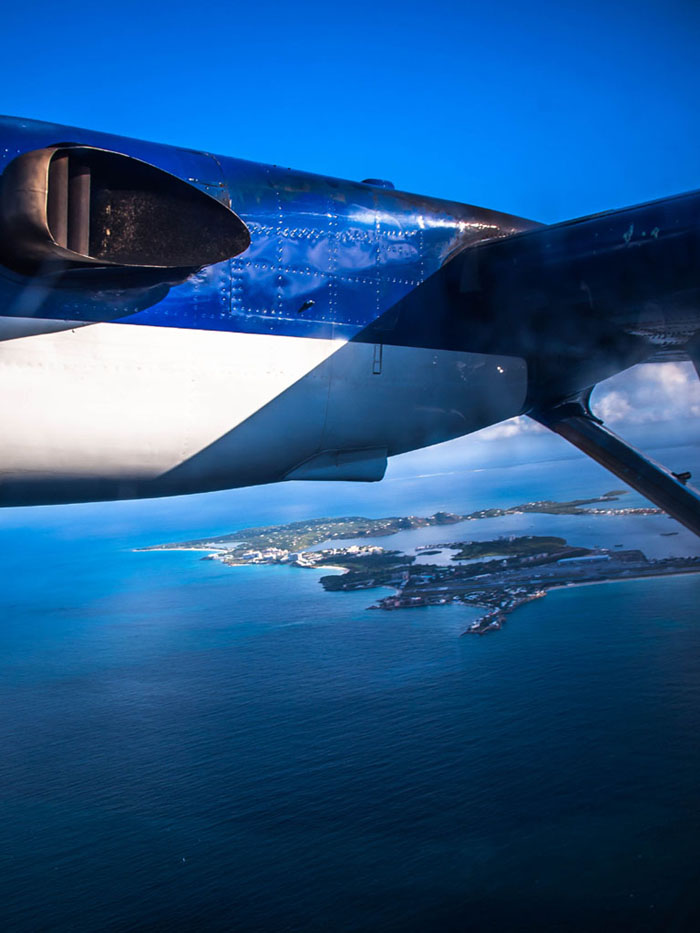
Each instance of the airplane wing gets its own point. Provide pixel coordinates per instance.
(162, 342)
(579, 301)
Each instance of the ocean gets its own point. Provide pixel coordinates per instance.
(187, 746)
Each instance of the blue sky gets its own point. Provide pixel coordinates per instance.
(545, 109)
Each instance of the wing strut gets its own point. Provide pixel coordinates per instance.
(573, 420)
(693, 351)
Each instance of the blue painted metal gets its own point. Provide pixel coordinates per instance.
(537, 314)
(326, 258)
(360, 261)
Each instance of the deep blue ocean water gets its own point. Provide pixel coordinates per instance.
(192, 747)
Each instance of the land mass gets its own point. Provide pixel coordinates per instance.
(297, 536)
(497, 575)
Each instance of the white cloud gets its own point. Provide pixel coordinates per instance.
(613, 406)
(511, 428)
(652, 392)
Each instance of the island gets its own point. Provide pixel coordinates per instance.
(497, 575)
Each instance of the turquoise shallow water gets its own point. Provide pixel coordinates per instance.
(189, 747)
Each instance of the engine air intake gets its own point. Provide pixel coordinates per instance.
(76, 206)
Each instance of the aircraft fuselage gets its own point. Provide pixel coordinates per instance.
(288, 360)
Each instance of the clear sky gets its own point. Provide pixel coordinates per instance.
(550, 109)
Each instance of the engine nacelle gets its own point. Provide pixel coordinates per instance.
(69, 208)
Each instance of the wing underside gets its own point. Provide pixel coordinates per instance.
(579, 301)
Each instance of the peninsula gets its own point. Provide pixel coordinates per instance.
(496, 575)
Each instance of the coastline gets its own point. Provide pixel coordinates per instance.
(496, 575)
(205, 550)
(643, 576)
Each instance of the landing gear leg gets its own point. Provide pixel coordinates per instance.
(693, 351)
(573, 420)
